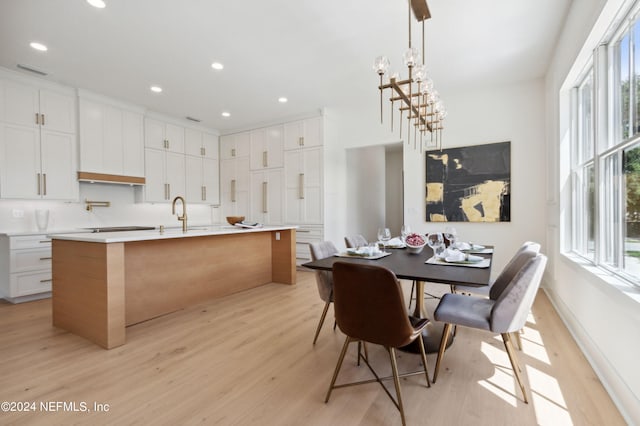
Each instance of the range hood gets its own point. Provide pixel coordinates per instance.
(106, 178)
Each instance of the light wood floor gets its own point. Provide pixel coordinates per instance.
(247, 359)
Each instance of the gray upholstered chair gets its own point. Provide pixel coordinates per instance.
(369, 307)
(324, 279)
(505, 314)
(527, 251)
(355, 241)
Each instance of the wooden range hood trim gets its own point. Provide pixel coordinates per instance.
(106, 178)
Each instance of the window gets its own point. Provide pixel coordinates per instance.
(605, 156)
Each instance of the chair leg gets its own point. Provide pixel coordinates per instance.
(423, 353)
(518, 339)
(337, 370)
(413, 289)
(443, 346)
(324, 314)
(396, 381)
(515, 359)
(514, 364)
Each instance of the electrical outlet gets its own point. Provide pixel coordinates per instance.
(17, 213)
(277, 236)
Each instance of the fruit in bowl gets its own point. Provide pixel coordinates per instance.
(415, 243)
(234, 219)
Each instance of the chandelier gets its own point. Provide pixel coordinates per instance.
(415, 94)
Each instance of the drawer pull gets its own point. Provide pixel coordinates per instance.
(45, 241)
(302, 230)
(45, 258)
(46, 281)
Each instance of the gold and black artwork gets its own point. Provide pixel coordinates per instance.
(469, 184)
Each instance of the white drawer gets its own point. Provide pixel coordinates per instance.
(27, 283)
(29, 241)
(30, 260)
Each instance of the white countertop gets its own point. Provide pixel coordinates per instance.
(127, 236)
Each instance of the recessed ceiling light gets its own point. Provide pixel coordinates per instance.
(283, 100)
(226, 114)
(217, 66)
(156, 89)
(97, 3)
(38, 46)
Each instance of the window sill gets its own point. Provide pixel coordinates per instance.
(621, 286)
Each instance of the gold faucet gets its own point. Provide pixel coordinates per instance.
(182, 218)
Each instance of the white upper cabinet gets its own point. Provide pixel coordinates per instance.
(202, 182)
(165, 175)
(303, 186)
(37, 142)
(200, 144)
(267, 148)
(303, 134)
(267, 198)
(235, 146)
(162, 135)
(111, 139)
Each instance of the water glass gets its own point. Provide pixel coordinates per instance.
(451, 235)
(436, 242)
(405, 231)
(384, 235)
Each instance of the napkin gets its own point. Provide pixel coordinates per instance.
(395, 242)
(364, 251)
(452, 255)
(461, 245)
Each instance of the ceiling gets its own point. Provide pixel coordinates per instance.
(316, 53)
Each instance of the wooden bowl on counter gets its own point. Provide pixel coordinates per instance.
(234, 219)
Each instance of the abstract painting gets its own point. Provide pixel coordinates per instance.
(469, 184)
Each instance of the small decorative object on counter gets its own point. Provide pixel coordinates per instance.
(232, 220)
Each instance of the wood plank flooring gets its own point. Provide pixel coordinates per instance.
(247, 359)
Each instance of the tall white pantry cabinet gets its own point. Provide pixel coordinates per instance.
(279, 170)
(38, 128)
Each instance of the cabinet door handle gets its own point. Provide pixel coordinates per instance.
(38, 177)
(45, 241)
(42, 119)
(301, 141)
(204, 193)
(45, 258)
(233, 152)
(37, 118)
(168, 191)
(44, 184)
(203, 151)
(301, 191)
(46, 281)
(264, 197)
(233, 190)
(264, 158)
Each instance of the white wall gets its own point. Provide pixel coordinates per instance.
(603, 315)
(510, 113)
(123, 211)
(393, 188)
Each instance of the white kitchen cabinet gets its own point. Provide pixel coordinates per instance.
(305, 235)
(25, 267)
(235, 146)
(202, 183)
(303, 133)
(111, 139)
(303, 186)
(267, 148)
(200, 144)
(162, 135)
(37, 164)
(34, 106)
(234, 186)
(165, 175)
(267, 197)
(37, 142)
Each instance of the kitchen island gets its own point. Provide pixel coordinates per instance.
(104, 282)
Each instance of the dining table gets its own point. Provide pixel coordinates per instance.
(412, 266)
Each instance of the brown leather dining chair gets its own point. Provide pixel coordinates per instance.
(506, 314)
(369, 307)
(324, 279)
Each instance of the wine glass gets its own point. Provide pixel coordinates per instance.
(451, 235)
(384, 235)
(436, 242)
(405, 231)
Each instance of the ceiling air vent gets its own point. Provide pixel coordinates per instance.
(33, 70)
(193, 119)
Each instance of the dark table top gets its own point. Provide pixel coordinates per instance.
(412, 267)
